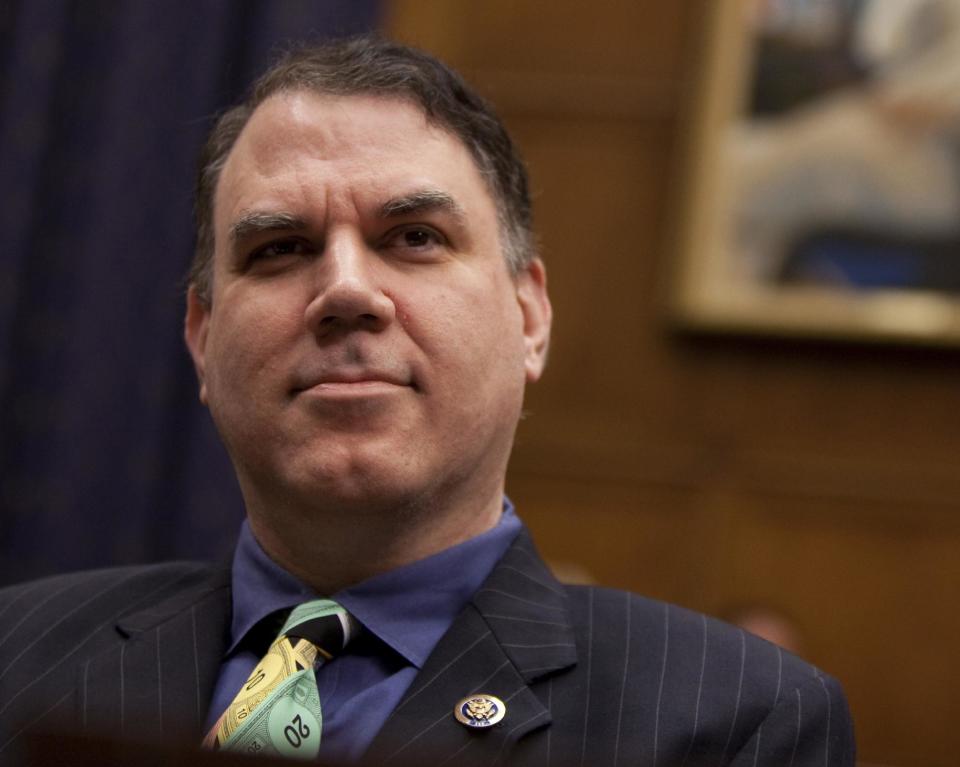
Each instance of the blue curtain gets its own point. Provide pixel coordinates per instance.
(106, 456)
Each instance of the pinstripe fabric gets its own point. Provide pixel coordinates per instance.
(129, 651)
(591, 677)
(597, 677)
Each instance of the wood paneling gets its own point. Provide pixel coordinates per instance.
(817, 479)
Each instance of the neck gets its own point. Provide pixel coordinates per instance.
(330, 549)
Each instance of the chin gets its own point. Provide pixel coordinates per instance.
(357, 486)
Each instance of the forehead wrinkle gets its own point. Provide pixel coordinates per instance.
(301, 175)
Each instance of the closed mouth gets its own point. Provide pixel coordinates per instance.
(358, 383)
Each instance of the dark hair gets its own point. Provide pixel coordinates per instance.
(373, 66)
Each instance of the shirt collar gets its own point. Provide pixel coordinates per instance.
(409, 608)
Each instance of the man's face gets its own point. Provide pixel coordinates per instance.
(365, 345)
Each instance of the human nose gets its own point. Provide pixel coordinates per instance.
(348, 294)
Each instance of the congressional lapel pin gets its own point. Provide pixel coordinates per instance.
(480, 710)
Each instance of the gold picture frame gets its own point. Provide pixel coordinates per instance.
(825, 203)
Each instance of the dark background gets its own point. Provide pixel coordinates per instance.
(106, 456)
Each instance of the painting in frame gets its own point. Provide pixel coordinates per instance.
(821, 195)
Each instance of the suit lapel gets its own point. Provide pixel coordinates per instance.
(157, 680)
(515, 631)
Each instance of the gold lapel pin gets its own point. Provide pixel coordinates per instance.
(480, 710)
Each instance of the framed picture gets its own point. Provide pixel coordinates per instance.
(822, 195)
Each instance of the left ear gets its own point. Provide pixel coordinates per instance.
(537, 317)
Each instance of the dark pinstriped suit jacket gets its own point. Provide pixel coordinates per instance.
(590, 676)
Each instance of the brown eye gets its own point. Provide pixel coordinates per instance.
(277, 250)
(417, 238)
(415, 243)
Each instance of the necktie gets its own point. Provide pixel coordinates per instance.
(277, 710)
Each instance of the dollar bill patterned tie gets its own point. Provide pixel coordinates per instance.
(277, 711)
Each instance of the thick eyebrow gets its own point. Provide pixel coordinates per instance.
(423, 201)
(255, 222)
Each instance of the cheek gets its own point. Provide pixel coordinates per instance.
(470, 339)
(245, 340)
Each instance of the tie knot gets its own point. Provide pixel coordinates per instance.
(323, 623)
(282, 687)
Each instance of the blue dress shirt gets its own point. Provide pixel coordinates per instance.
(404, 613)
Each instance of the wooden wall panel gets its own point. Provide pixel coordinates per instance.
(620, 535)
(872, 592)
(817, 479)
